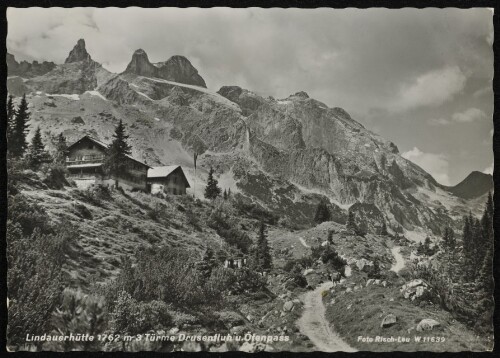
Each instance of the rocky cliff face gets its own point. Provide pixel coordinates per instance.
(285, 155)
(176, 69)
(26, 69)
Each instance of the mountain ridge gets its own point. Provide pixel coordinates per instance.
(261, 146)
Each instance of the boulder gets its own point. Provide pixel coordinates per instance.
(190, 346)
(308, 271)
(222, 348)
(388, 321)
(361, 264)
(414, 289)
(427, 324)
(231, 319)
(238, 330)
(369, 282)
(288, 306)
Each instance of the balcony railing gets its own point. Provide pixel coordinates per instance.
(85, 159)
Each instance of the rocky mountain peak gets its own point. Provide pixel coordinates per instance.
(78, 53)
(140, 65)
(179, 69)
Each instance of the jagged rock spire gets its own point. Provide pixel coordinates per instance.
(78, 53)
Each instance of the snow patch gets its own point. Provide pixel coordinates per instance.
(213, 95)
(400, 261)
(157, 119)
(226, 181)
(144, 95)
(416, 236)
(303, 242)
(96, 94)
(74, 97)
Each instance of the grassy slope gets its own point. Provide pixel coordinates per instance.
(113, 227)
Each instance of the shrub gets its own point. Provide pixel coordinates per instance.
(133, 317)
(79, 313)
(55, 175)
(222, 220)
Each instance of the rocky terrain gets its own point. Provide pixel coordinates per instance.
(285, 155)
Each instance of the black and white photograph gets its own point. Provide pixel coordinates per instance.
(249, 179)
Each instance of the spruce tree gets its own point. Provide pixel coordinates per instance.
(115, 163)
(449, 244)
(229, 192)
(11, 112)
(489, 206)
(351, 223)
(262, 256)
(225, 194)
(212, 191)
(383, 229)
(207, 264)
(330, 237)
(37, 154)
(468, 248)
(322, 213)
(427, 246)
(19, 131)
(61, 149)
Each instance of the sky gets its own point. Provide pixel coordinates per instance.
(420, 78)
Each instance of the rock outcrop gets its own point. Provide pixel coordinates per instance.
(78, 53)
(175, 69)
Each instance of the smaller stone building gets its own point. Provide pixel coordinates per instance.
(168, 179)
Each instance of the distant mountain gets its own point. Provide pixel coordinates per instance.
(26, 69)
(474, 185)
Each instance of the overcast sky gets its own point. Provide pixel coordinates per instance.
(421, 78)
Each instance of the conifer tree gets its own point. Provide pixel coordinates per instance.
(322, 213)
(330, 237)
(207, 263)
(225, 194)
(37, 154)
(477, 239)
(19, 145)
(468, 248)
(115, 163)
(427, 246)
(212, 190)
(351, 223)
(383, 229)
(11, 112)
(61, 149)
(449, 244)
(229, 192)
(489, 206)
(262, 256)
